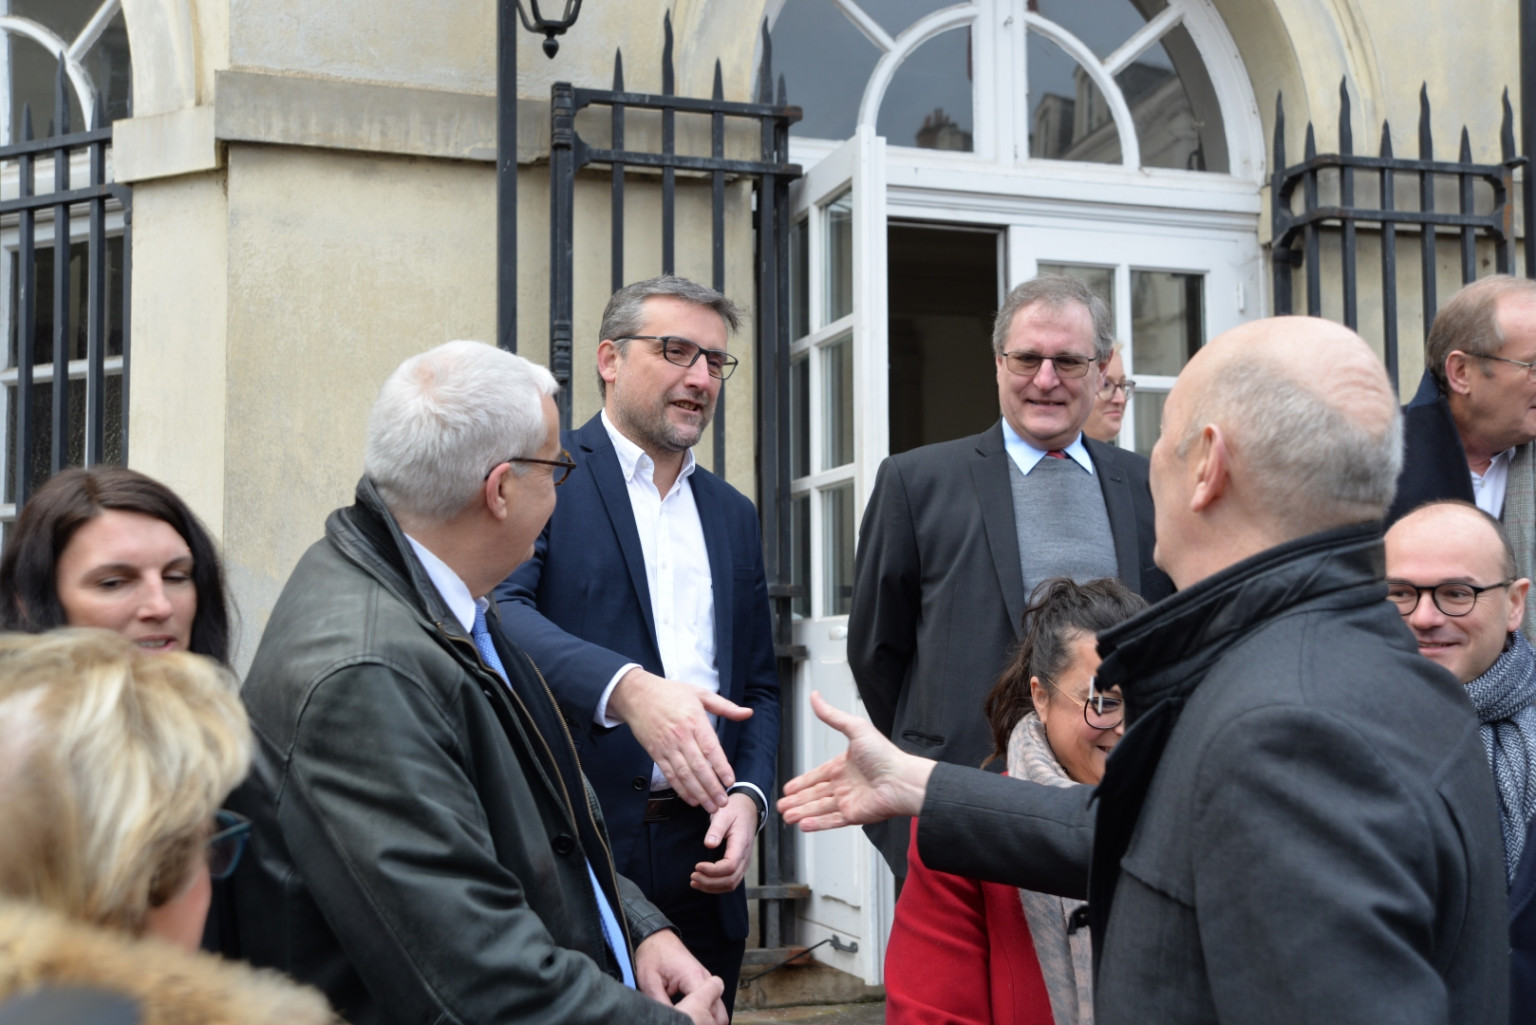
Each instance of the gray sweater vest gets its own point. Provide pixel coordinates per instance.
(1058, 510)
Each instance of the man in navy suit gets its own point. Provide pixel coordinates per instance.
(645, 606)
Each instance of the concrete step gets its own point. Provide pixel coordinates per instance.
(867, 1013)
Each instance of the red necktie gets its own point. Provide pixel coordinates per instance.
(1056, 453)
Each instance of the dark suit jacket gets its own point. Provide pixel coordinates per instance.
(1434, 463)
(938, 594)
(582, 608)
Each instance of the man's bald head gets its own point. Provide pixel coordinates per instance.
(1276, 429)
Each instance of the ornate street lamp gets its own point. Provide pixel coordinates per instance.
(506, 147)
(551, 27)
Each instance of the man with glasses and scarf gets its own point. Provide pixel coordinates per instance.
(1452, 575)
(646, 607)
(957, 534)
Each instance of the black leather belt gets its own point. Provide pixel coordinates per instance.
(660, 805)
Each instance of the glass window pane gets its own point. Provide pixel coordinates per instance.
(896, 15)
(1147, 415)
(799, 280)
(1101, 280)
(799, 418)
(1170, 133)
(800, 554)
(1102, 25)
(39, 464)
(825, 62)
(837, 544)
(928, 103)
(77, 305)
(1069, 119)
(837, 396)
(1167, 320)
(839, 214)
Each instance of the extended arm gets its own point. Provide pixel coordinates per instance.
(669, 718)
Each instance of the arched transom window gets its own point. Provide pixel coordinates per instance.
(1131, 83)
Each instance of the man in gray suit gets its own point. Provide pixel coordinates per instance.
(957, 534)
(1299, 824)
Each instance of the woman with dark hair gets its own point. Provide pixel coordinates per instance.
(109, 547)
(986, 954)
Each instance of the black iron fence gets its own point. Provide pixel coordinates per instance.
(1327, 185)
(65, 379)
(769, 173)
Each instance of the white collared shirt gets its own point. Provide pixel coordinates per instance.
(1489, 486)
(676, 574)
(1027, 456)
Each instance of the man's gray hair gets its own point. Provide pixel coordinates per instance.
(625, 313)
(1469, 321)
(1313, 465)
(444, 418)
(1056, 291)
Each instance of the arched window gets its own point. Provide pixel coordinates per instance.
(91, 37)
(1134, 83)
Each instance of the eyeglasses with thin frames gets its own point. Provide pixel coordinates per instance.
(1107, 389)
(1452, 598)
(563, 466)
(232, 832)
(1101, 711)
(1068, 367)
(1529, 366)
(685, 353)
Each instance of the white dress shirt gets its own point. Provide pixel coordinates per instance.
(1027, 456)
(1490, 485)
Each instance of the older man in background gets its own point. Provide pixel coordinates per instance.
(1470, 428)
(957, 534)
(1451, 574)
(1299, 824)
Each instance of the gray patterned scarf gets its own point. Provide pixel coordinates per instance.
(1066, 958)
(1503, 698)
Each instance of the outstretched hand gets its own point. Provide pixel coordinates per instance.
(670, 719)
(872, 781)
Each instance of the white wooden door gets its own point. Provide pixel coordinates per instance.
(839, 430)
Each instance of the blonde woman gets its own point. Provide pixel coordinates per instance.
(113, 763)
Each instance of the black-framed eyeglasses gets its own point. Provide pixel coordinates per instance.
(685, 353)
(1107, 389)
(1102, 711)
(563, 466)
(1452, 598)
(1529, 366)
(1068, 366)
(232, 832)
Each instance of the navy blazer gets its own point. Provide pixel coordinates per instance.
(1434, 463)
(582, 608)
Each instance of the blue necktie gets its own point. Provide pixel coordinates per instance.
(481, 635)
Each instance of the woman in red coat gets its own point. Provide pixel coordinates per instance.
(976, 953)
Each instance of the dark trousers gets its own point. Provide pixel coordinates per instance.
(664, 857)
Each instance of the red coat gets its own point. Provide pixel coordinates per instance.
(960, 953)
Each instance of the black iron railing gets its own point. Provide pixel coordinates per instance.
(770, 174)
(70, 343)
(1298, 234)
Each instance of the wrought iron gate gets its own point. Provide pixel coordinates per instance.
(66, 371)
(1298, 234)
(770, 175)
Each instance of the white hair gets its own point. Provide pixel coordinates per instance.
(445, 418)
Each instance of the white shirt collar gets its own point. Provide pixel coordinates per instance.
(633, 459)
(1027, 455)
(454, 591)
